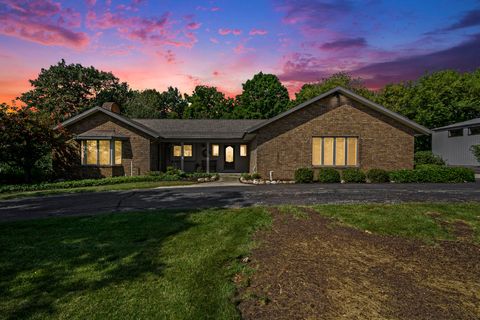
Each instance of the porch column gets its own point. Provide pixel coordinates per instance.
(208, 157)
(182, 158)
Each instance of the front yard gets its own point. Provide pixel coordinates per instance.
(332, 261)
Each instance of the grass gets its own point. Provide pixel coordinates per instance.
(121, 186)
(155, 265)
(424, 221)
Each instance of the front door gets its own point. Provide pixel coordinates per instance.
(229, 157)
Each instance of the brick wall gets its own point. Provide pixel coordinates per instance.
(138, 152)
(286, 144)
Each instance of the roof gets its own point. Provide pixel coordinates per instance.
(199, 128)
(100, 134)
(407, 122)
(467, 123)
(125, 120)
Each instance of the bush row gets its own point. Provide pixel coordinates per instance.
(170, 175)
(423, 173)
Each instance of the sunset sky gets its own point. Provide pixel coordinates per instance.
(155, 44)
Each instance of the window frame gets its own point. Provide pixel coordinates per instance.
(470, 130)
(334, 151)
(112, 153)
(455, 136)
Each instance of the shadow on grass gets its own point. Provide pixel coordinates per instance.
(44, 261)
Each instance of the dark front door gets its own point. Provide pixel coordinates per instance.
(229, 157)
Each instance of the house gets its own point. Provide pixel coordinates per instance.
(337, 129)
(453, 142)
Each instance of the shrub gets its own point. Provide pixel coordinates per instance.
(353, 176)
(304, 175)
(476, 151)
(427, 157)
(377, 176)
(435, 174)
(328, 175)
(246, 176)
(255, 175)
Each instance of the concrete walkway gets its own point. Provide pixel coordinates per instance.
(221, 195)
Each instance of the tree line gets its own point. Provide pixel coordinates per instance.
(64, 90)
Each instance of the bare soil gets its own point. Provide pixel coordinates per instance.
(314, 268)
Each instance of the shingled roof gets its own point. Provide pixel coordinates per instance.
(199, 128)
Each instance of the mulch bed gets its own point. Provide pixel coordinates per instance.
(314, 268)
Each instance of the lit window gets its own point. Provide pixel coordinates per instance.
(243, 150)
(334, 151)
(187, 150)
(455, 133)
(118, 152)
(101, 152)
(215, 150)
(177, 151)
(229, 154)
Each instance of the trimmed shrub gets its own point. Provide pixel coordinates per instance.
(328, 175)
(427, 157)
(353, 176)
(434, 174)
(255, 175)
(377, 176)
(304, 175)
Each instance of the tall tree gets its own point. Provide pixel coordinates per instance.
(152, 104)
(206, 103)
(311, 90)
(263, 97)
(26, 137)
(64, 90)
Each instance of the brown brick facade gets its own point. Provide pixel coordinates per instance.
(286, 144)
(139, 154)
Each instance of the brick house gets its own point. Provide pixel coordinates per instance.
(336, 129)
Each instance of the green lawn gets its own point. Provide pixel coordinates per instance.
(168, 264)
(120, 186)
(156, 265)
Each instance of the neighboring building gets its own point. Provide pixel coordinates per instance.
(336, 129)
(453, 142)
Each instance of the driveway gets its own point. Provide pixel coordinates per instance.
(219, 195)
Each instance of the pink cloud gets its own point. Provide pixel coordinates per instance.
(258, 32)
(224, 32)
(214, 40)
(216, 73)
(193, 25)
(42, 21)
(215, 9)
(240, 48)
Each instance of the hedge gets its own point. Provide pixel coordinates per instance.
(377, 176)
(153, 176)
(427, 157)
(433, 173)
(304, 175)
(328, 175)
(353, 176)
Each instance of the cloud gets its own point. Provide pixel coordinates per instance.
(193, 25)
(214, 40)
(346, 43)
(216, 73)
(462, 57)
(225, 31)
(470, 19)
(258, 32)
(42, 21)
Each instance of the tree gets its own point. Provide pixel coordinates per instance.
(152, 104)
(207, 103)
(175, 102)
(263, 97)
(25, 138)
(311, 90)
(64, 90)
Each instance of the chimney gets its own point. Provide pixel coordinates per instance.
(111, 106)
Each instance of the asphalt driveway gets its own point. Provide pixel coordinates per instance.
(232, 196)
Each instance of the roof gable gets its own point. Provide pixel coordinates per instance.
(395, 116)
(114, 115)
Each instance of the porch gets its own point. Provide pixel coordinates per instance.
(209, 156)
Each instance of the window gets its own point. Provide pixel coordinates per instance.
(187, 150)
(101, 152)
(455, 133)
(215, 150)
(243, 150)
(229, 154)
(334, 151)
(473, 131)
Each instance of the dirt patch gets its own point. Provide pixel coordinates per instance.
(313, 268)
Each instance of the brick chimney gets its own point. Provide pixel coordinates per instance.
(111, 106)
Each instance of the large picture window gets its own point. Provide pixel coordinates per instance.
(334, 151)
(187, 150)
(101, 152)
